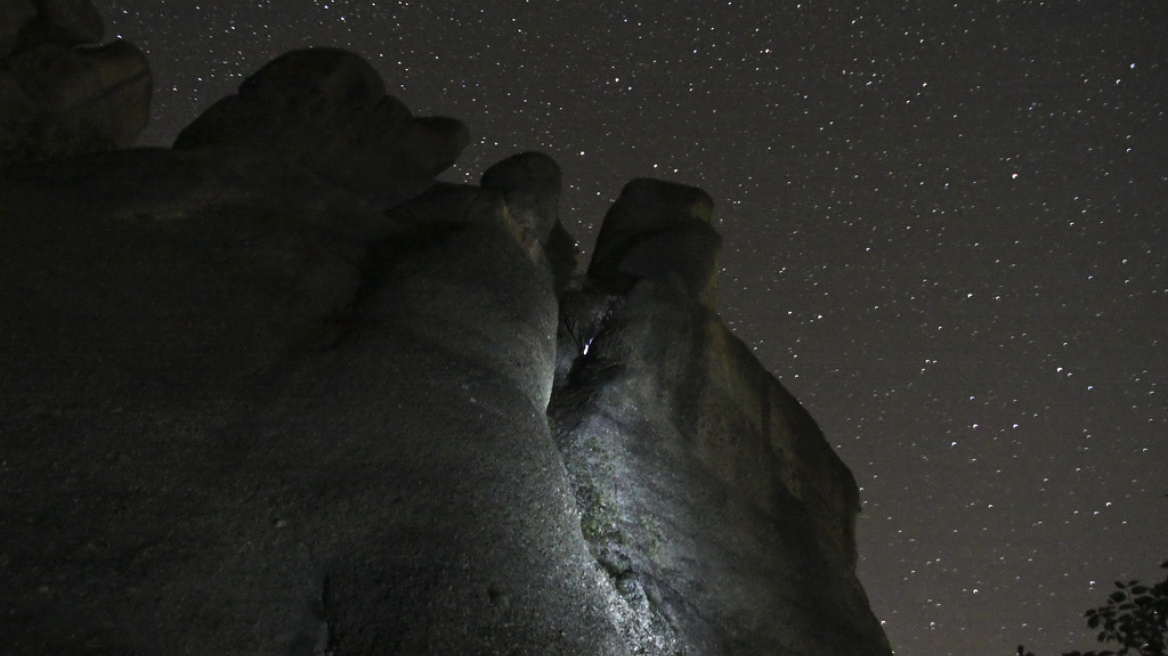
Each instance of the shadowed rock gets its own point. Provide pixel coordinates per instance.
(57, 99)
(253, 405)
(659, 231)
(64, 22)
(68, 22)
(274, 433)
(326, 110)
(15, 15)
(530, 186)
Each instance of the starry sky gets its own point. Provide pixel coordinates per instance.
(944, 227)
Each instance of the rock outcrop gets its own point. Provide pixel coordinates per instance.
(59, 93)
(658, 231)
(707, 492)
(326, 110)
(530, 186)
(258, 399)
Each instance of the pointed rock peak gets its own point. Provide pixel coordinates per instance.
(658, 231)
(326, 109)
(530, 185)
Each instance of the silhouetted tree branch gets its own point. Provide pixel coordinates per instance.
(1135, 618)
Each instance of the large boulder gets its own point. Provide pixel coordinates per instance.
(60, 97)
(234, 424)
(56, 100)
(529, 184)
(326, 110)
(661, 231)
(248, 408)
(707, 492)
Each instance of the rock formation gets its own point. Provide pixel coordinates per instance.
(290, 395)
(326, 110)
(59, 93)
(706, 491)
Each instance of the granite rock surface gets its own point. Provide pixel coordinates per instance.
(258, 399)
(707, 492)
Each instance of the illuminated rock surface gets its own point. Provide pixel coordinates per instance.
(249, 408)
(707, 492)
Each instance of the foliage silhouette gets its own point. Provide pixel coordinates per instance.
(1135, 617)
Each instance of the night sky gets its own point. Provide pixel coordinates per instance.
(944, 228)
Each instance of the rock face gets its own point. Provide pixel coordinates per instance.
(326, 110)
(253, 404)
(530, 186)
(658, 231)
(237, 428)
(707, 492)
(59, 94)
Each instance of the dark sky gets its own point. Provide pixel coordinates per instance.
(944, 227)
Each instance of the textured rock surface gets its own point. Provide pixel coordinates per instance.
(57, 99)
(530, 186)
(233, 427)
(249, 408)
(15, 15)
(326, 110)
(658, 231)
(707, 492)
